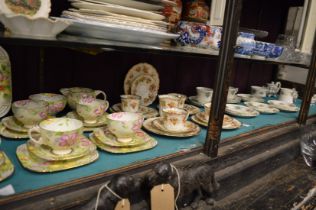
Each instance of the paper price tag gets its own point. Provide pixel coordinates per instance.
(123, 205)
(162, 197)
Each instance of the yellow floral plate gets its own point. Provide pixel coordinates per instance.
(149, 145)
(148, 125)
(147, 112)
(85, 147)
(87, 126)
(109, 139)
(5, 132)
(12, 124)
(36, 164)
(6, 168)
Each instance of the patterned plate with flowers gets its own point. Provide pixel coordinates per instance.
(6, 168)
(32, 8)
(5, 132)
(36, 164)
(262, 108)
(109, 139)
(85, 147)
(149, 145)
(145, 87)
(89, 126)
(5, 82)
(229, 123)
(286, 107)
(148, 125)
(12, 124)
(188, 126)
(137, 70)
(240, 111)
(146, 111)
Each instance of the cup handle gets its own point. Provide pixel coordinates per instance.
(98, 92)
(35, 129)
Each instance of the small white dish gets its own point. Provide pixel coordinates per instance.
(286, 107)
(36, 27)
(249, 97)
(241, 111)
(262, 107)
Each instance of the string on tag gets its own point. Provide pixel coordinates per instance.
(105, 185)
(179, 185)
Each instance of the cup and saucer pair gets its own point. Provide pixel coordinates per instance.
(100, 121)
(10, 127)
(123, 134)
(172, 123)
(6, 166)
(229, 123)
(56, 144)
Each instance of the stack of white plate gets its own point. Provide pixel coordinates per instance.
(134, 19)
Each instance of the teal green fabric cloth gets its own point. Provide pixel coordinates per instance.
(24, 180)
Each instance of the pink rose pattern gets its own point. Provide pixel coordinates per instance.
(99, 111)
(87, 98)
(22, 102)
(68, 140)
(56, 107)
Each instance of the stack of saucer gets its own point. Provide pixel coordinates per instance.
(6, 166)
(173, 123)
(11, 128)
(107, 141)
(60, 146)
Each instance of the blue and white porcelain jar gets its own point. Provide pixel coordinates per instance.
(245, 43)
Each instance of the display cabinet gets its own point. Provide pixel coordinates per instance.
(101, 64)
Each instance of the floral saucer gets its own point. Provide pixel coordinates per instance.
(249, 97)
(240, 111)
(262, 108)
(145, 87)
(5, 132)
(6, 168)
(146, 111)
(149, 125)
(149, 145)
(193, 100)
(109, 139)
(36, 164)
(229, 123)
(191, 109)
(85, 147)
(89, 126)
(188, 126)
(12, 124)
(286, 107)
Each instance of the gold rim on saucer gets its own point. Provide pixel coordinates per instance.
(148, 125)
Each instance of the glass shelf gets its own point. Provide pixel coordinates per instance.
(70, 41)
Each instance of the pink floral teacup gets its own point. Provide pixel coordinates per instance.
(124, 125)
(29, 112)
(90, 108)
(130, 103)
(56, 102)
(61, 134)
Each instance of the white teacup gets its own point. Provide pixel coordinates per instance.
(61, 134)
(130, 103)
(124, 125)
(288, 95)
(204, 94)
(259, 91)
(174, 119)
(90, 108)
(232, 91)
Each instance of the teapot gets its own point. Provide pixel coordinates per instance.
(74, 94)
(273, 88)
(288, 95)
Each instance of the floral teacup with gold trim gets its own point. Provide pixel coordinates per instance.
(204, 94)
(30, 112)
(130, 103)
(56, 102)
(181, 97)
(174, 119)
(124, 125)
(61, 134)
(168, 101)
(90, 108)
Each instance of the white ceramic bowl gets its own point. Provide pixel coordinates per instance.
(56, 102)
(20, 25)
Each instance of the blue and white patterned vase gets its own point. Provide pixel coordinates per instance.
(267, 50)
(245, 43)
